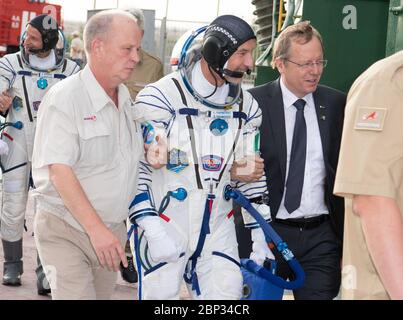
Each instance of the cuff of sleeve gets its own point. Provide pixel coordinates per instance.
(54, 160)
(141, 213)
(249, 221)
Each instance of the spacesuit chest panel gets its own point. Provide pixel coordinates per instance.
(203, 145)
(31, 90)
(30, 87)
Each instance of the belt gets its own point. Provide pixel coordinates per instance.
(304, 223)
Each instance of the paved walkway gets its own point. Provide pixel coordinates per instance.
(27, 291)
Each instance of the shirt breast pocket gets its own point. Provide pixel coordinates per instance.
(96, 145)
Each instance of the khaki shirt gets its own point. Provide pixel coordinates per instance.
(370, 163)
(79, 126)
(148, 70)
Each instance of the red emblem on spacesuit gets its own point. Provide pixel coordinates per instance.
(212, 163)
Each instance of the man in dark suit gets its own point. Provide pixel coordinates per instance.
(300, 142)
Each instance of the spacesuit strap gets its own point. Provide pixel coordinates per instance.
(211, 114)
(189, 112)
(19, 60)
(235, 141)
(4, 171)
(24, 84)
(191, 133)
(226, 256)
(136, 246)
(183, 97)
(159, 265)
(190, 275)
(59, 76)
(64, 65)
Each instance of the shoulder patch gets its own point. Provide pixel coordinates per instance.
(370, 119)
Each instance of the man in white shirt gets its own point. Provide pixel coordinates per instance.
(85, 164)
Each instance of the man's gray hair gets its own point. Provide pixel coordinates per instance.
(99, 25)
(139, 15)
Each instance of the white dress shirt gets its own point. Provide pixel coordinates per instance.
(313, 191)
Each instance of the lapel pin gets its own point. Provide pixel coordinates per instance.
(322, 107)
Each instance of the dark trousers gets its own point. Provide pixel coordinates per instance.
(317, 250)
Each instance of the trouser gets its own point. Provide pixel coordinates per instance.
(318, 250)
(219, 277)
(70, 262)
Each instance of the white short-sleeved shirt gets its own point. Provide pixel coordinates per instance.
(80, 126)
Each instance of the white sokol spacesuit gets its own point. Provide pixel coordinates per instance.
(27, 78)
(184, 200)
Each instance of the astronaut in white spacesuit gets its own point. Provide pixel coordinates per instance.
(25, 77)
(186, 227)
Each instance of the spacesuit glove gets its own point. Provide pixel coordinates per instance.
(3, 148)
(162, 247)
(260, 249)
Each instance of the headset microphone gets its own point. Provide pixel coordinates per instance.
(235, 74)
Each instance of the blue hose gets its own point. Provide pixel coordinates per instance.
(270, 236)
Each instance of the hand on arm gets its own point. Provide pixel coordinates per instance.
(248, 169)
(156, 152)
(106, 245)
(5, 101)
(382, 225)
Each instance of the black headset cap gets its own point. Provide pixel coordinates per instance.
(223, 37)
(48, 28)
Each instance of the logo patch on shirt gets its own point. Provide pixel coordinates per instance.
(370, 119)
(17, 103)
(177, 160)
(35, 105)
(212, 163)
(91, 118)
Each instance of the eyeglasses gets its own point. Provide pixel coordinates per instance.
(319, 63)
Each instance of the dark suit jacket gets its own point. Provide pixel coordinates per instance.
(329, 104)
